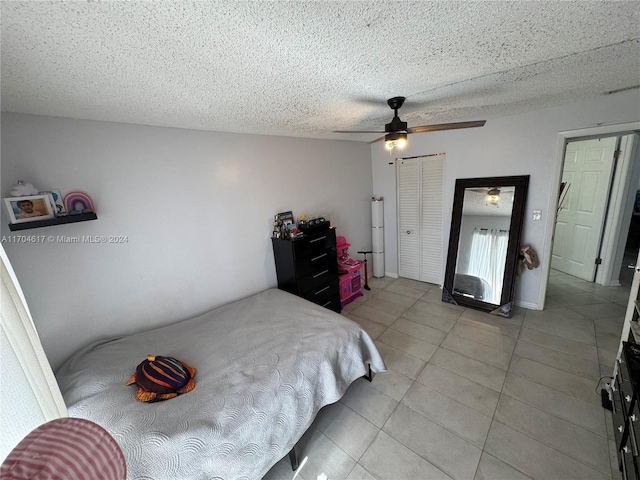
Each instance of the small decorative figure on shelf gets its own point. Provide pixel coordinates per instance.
(23, 189)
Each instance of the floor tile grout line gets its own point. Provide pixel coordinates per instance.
(552, 348)
(542, 443)
(548, 386)
(374, 425)
(549, 413)
(443, 367)
(566, 338)
(484, 344)
(485, 330)
(560, 369)
(570, 373)
(520, 330)
(495, 455)
(474, 359)
(536, 407)
(550, 446)
(431, 420)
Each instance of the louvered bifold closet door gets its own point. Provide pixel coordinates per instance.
(408, 184)
(431, 220)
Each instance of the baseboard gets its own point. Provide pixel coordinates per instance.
(529, 305)
(391, 275)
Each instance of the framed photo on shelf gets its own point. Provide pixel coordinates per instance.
(29, 208)
(57, 202)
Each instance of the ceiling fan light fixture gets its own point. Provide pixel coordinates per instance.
(395, 140)
(493, 196)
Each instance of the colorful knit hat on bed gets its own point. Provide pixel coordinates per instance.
(161, 378)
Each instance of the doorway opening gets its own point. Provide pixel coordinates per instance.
(597, 221)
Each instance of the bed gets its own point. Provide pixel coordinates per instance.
(471, 286)
(265, 366)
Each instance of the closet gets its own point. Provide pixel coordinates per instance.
(419, 186)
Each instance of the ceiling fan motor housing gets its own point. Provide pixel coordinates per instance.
(396, 125)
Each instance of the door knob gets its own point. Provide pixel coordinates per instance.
(408, 232)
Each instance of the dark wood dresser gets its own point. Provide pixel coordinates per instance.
(307, 266)
(626, 411)
(626, 387)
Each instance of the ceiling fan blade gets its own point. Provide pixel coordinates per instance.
(377, 139)
(356, 131)
(446, 126)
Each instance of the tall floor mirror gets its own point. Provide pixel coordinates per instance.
(484, 243)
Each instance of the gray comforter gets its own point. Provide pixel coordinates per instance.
(265, 366)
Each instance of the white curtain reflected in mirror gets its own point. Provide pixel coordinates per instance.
(483, 242)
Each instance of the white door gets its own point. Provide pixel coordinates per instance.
(408, 175)
(431, 220)
(588, 168)
(419, 183)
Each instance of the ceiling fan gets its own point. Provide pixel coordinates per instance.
(492, 194)
(396, 131)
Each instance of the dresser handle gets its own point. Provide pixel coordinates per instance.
(317, 239)
(620, 428)
(628, 398)
(321, 273)
(319, 256)
(320, 291)
(327, 303)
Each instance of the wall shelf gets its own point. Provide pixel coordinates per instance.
(83, 217)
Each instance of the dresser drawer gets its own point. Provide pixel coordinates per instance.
(323, 292)
(626, 400)
(628, 461)
(326, 260)
(312, 281)
(332, 303)
(306, 248)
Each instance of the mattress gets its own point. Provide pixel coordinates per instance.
(470, 286)
(265, 366)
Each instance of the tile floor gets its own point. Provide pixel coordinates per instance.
(468, 395)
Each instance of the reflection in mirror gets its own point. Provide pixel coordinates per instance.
(483, 246)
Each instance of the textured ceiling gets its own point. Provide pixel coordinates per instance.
(307, 68)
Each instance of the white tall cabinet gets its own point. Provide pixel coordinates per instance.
(632, 306)
(419, 186)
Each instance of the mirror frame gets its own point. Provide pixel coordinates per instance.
(521, 184)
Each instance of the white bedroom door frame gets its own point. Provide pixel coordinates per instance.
(561, 141)
(588, 171)
(419, 186)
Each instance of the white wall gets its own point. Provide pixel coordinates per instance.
(197, 208)
(515, 145)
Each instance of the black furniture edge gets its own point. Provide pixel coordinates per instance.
(83, 217)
